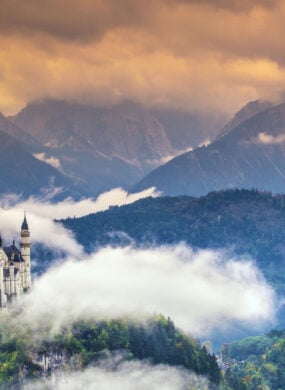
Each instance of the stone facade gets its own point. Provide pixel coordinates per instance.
(15, 268)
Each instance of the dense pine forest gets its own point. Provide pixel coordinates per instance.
(247, 223)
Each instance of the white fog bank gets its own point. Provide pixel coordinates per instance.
(70, 208)
(41, 216)
(200, 291)
(126, 375)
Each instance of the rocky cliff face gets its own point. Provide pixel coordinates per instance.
(111, 146)
(252, 155)
(16, 132)
(126, 131)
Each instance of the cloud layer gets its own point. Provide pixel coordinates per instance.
(198, 290)
(41, 216)
(125, 375)
(185, 54)
(268, 139)
(53, 161)
(71, 208)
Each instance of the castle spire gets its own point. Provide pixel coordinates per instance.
(26, 254)
(25, 223)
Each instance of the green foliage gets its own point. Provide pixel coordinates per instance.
(13, 359)
(84, 343)
(260, 362)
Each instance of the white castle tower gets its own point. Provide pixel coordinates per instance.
(26, 254)
(15, 268)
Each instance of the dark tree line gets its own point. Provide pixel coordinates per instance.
(246, 222)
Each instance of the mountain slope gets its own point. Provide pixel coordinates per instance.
(110, 146)
(10, 128)
(252, 155)
(25, 175)
(248, 111)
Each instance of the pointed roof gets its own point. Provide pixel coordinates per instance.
(25, 223)
(13, 253)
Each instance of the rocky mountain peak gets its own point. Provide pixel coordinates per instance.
(246, 112)
(251, 155)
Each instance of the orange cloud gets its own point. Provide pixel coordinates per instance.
(185, 54)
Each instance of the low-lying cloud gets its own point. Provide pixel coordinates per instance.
(53, 161)
(268, 139)
(70, 208)
(200, 290)
(123, 375)
(43, 230)
(41, 216)
(165, 159)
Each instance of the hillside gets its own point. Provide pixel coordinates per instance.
(245, 222)
(251, 155)
(84, 343)
(256, 362)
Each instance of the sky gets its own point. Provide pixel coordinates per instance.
(182, 54)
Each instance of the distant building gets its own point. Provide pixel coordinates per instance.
(15, 268)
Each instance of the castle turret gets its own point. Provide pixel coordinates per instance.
(26, 253)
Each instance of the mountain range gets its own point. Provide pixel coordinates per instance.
(249, 155)
(93, 149)
(105, 147)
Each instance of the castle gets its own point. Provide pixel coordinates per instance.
(15, 268)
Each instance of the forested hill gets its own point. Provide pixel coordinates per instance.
(22, 352)
(247, 222)
(256, 362)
